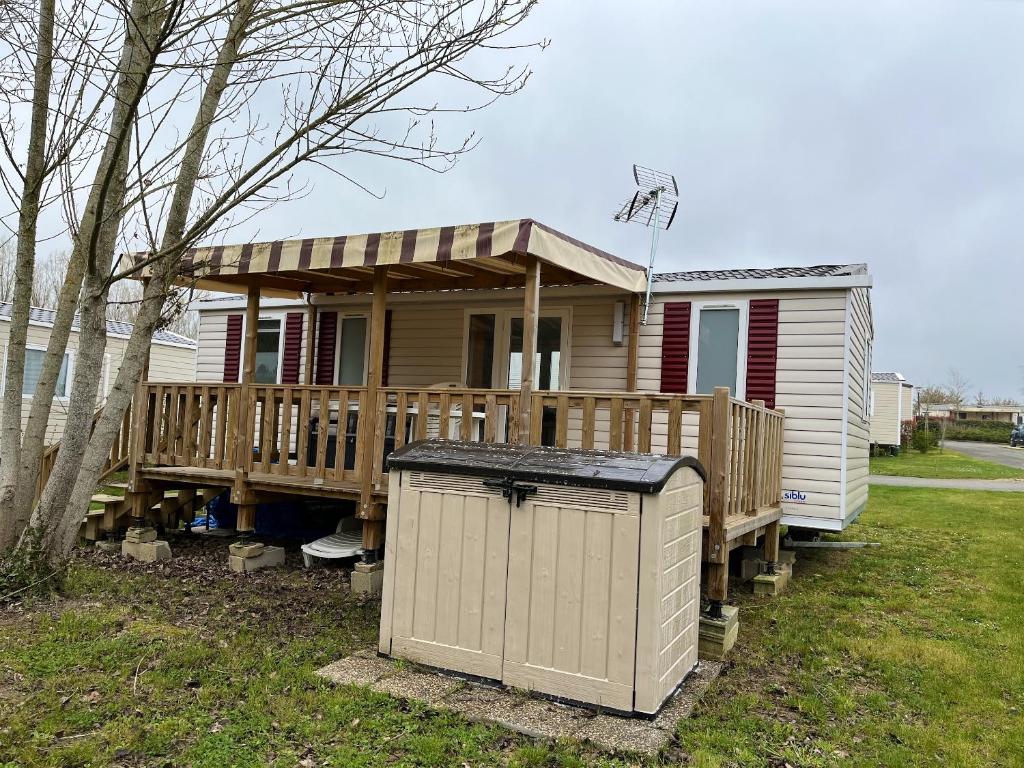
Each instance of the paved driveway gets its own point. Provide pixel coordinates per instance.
(966, 485)
(1000, 454)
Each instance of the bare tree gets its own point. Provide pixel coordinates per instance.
(957, 387)
(271, 89)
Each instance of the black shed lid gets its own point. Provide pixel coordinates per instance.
(614, 470)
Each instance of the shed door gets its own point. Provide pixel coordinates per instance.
(449, 594)
(570, 626)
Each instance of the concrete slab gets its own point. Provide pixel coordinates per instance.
(140, 535)
(716, 637)
(368, 579)
(770, 584)
(268, 558)
(238, 549)
(534, 717)
(146, 551)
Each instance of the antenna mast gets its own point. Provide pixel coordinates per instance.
(654, 205)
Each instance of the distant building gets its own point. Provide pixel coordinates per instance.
(1009, 414)
(172, 358)
(892, 403)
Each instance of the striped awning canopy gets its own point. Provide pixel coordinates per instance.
(489, 255)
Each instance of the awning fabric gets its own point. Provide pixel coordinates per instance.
(466, 255)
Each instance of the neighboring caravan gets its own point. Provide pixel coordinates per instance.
(797, 338)
(892, 403)
(172, 359)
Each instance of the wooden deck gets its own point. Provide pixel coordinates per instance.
(198, 436)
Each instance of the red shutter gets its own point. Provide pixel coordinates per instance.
(675, 347)
(233, 348)
(386, 364)
(762, 350)
(292, 348)
(326, 338)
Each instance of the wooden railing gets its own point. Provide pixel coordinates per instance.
(286, 434)
(191, 425)
(116, 461)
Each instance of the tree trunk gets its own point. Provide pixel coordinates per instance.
(95, 243)
(164, 272)
(11, 519)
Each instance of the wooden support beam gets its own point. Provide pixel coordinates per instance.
(307, 376)
(718, 479)
(367, 428)
(531, 312)
(243, 425)
(632, 353)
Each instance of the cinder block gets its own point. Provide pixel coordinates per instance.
(716, 637)
(772, 583)
(140, 535)
(246, 549)
(146, 551)
(269, 557)
(368, 579)
(787, 556)
(749, 568)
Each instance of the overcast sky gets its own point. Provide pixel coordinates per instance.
(800, 132)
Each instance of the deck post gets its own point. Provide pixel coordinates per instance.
(369, 510)
(632, 356)
(531, 309)
(307, 376)
(243, 436)
(718, 476)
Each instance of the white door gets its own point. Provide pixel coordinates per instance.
(570, 619)
(447, 608)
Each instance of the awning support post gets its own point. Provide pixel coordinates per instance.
(531, 308)
(369, 510)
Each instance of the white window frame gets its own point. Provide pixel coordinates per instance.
(342, 316)
(868, 393)
(503, 317)
(696, 307)
(67, 382)
(280, 344)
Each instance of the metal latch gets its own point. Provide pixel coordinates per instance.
(510, 488)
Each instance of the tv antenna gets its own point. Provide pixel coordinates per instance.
(654, 205)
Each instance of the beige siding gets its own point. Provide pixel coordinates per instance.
(885, 413)
(907, 411)
(213, 324)
(176, 363)
(809, 386)
(857, 436)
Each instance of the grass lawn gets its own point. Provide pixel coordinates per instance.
(948, 464)
(908, 654)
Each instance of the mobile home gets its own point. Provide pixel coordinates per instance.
(798, 338)
(172, 358)
(892, 403)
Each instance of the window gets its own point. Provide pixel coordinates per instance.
(480, 351)
(33, 367)
(718, 345)
(268, 352)
(352, 352)
(548, 356)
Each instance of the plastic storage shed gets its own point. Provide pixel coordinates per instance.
(572, 573)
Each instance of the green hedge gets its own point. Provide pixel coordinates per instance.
(972, 430)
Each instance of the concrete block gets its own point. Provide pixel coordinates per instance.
(269, 557)
(749, 568)
(246, 549)
(108, 546)
(368, 579)
(787, 556)
(146, 551)
(772, 583)
(140, 535)
(716, 637)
